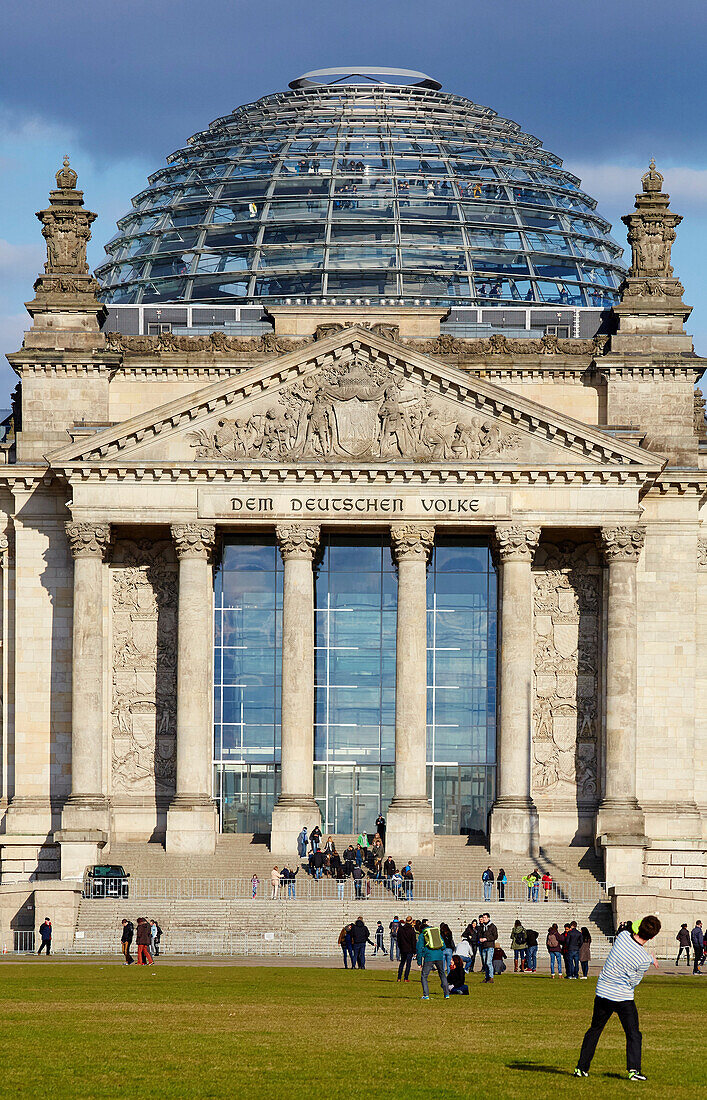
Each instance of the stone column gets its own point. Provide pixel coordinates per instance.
(410, 824)
(192, 822)
(85, 817)
(514, 818)
(620, 822)
(296, 805)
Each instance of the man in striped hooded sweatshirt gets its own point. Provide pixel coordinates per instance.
(626, 964)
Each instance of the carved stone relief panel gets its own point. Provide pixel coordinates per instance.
(567, 647)
(356, 410)
(144, 586)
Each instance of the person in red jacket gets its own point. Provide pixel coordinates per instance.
(547, 885)
(142, 938)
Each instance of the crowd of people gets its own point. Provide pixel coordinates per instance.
(569, 949)
(534, 881)
(147, 938)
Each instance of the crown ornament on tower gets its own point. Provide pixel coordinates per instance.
(65, 309)
(651, 314)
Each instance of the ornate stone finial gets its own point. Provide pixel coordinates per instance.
(66, 178)
(515, 542)
(410, 540)
(652, 180)
(194, 540)
(622, 543)
(298, 540)
(88, 540)
(651, 230)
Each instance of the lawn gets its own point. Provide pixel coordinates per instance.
(265, 1032)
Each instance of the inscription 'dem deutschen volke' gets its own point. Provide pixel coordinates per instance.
(454, 505)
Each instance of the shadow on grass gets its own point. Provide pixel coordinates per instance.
(538, 1067)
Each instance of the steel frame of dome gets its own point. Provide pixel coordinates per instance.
(373, 192)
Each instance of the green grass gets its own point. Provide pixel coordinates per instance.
(266, 1032)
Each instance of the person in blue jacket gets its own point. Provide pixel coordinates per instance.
(430, 958)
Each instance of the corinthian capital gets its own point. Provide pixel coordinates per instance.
(408, 540)
(88, 540)
(516, 543)
(194, 540)
(297, 540)
(622, 543)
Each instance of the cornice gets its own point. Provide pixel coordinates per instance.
(485, 398)
(680, 483)
(430, 473)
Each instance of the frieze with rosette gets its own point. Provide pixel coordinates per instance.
(567, 581)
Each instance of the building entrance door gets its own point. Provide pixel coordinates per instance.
(462, 797)
(351, 796)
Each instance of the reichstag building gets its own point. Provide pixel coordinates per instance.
(363, 476)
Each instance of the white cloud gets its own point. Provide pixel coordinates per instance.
(616, 184)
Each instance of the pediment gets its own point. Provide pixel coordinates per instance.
(354, 399)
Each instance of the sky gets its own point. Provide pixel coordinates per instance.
(120, 84)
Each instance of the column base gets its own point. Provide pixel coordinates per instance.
(623, 859)
(27, 816)
(86, 813)
(289, 814)
(409, 828)
(514, 828)
(192, 826)
(620, 818)
(79, 849)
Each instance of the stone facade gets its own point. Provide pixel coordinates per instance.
(580, 461)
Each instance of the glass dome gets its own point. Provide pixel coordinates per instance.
(365, 185)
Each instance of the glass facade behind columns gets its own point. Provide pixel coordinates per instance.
(247, 683)
(461, 684)
(354, 714)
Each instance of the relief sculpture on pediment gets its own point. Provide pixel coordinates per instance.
(566, 634)
(143, 714)
(356, 410)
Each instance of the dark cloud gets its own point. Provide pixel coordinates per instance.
(589, 78)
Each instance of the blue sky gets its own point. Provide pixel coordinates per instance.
(606, 84)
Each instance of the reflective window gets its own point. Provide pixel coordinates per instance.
(461, 683)
(354, 711)
(247, 682)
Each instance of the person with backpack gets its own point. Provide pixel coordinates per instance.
(519, 943)
(408, 880)
(360, 936)
(547, 885)
(552, 942)
(126, 938)
(531, 951)
(487, 880)
(626, 964)
(488, 934)
(574, 942)
(501, 881)
(448, 946)
(357, 876)
(429, 957)
(393, 932)
(407, 943)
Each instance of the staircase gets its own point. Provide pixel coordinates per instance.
(167, 887)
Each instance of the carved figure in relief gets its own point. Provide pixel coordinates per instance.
(354, 410)
(567, 593)
(144, 603)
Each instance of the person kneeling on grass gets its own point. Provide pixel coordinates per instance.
(456, 977)
(626, 964)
